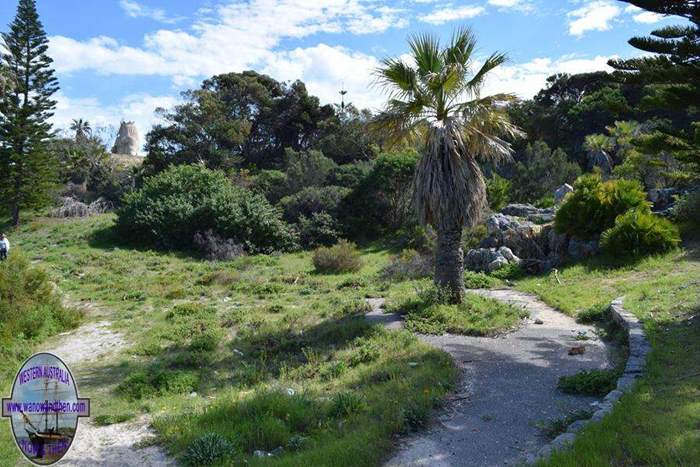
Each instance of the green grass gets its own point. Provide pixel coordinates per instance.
(659, 422)
(430, 313)
(215, 347)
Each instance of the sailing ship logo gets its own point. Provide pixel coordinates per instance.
(44, 409)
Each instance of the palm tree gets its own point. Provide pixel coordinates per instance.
(82, 129)
(436, 98)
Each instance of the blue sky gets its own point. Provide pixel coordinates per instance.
(120, 59)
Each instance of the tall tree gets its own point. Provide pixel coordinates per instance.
(82, 129)
(29, 170)
(436, 97)
(671, 73)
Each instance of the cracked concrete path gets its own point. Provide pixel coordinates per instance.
(509, 383)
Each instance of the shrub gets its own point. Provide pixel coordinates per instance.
(319, 229)
(176, 203)
(340, 258)
(479, 280)
(497, 192)
(350, 175)
(344, 404)
(30, 308)
(687, 208)
(589, 382)
(594, 205)
(305, 169)
(417, 237)
(216, 248)
(272, 184)
(311, 200)
(472, 237)
(407, 266)
(640, 233)
(208, 449)
(140, 385)
(540, 171)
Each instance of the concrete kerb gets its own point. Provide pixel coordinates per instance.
(639, 348)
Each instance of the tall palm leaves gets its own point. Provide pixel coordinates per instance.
(82, 129)
(436, 97)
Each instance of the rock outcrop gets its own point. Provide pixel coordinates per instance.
(561, 192)
(128, 140)
(489, 259)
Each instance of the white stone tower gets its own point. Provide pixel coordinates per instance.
(128, 140)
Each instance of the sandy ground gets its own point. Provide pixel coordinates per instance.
(509, 383)
(113, 445)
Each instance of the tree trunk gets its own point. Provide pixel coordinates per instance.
(449, 262)
(15, 214)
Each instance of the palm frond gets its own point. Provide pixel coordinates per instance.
(396, 77)
(425, 50)
(461, 48)
(494, 61)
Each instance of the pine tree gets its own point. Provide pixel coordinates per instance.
(672, 80)
(28, 169)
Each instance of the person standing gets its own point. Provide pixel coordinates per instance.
(4, 247)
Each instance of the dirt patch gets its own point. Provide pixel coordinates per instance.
(89, 342)
(113, 445)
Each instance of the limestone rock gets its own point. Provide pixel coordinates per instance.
(561, 192)
(529, 212)
(489, 259)
(128, 140)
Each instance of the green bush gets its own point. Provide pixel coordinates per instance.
(144, 384)
(311, 200)
(321, 229)
(589, 382)
(208, 449)
(479, 280)
(497, 192)
(687, 209)
(409, 265)
(340, 258)
(30, 308)
(272, 184)
(640, 233)
(594, 205)
(175, 204)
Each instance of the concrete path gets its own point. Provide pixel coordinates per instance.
(509, 383)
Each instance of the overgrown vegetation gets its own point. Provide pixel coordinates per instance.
(174, 205)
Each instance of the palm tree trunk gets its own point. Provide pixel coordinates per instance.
(449, 262)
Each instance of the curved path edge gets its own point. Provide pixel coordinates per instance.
(508, 388)
(639, 348)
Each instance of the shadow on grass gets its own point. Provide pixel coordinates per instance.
(108, 238)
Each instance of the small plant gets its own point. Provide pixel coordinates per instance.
(216, 248)
(589, 382)
(687, 208)
(296, 443)
(344, 404)
(596, 313)
(415, 416)
(479, 280)
(497, 192)
(104, 420)
(340, 258)
(553, 428)
(639, 232)
(408, 265)
(208, 449)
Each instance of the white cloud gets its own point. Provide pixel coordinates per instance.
(325, 70)
(520, 5)
(137, 10)
(449, 13)
(594, 16)
(644, 17)
(136, 107)
(230, 37)
(526, 79)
